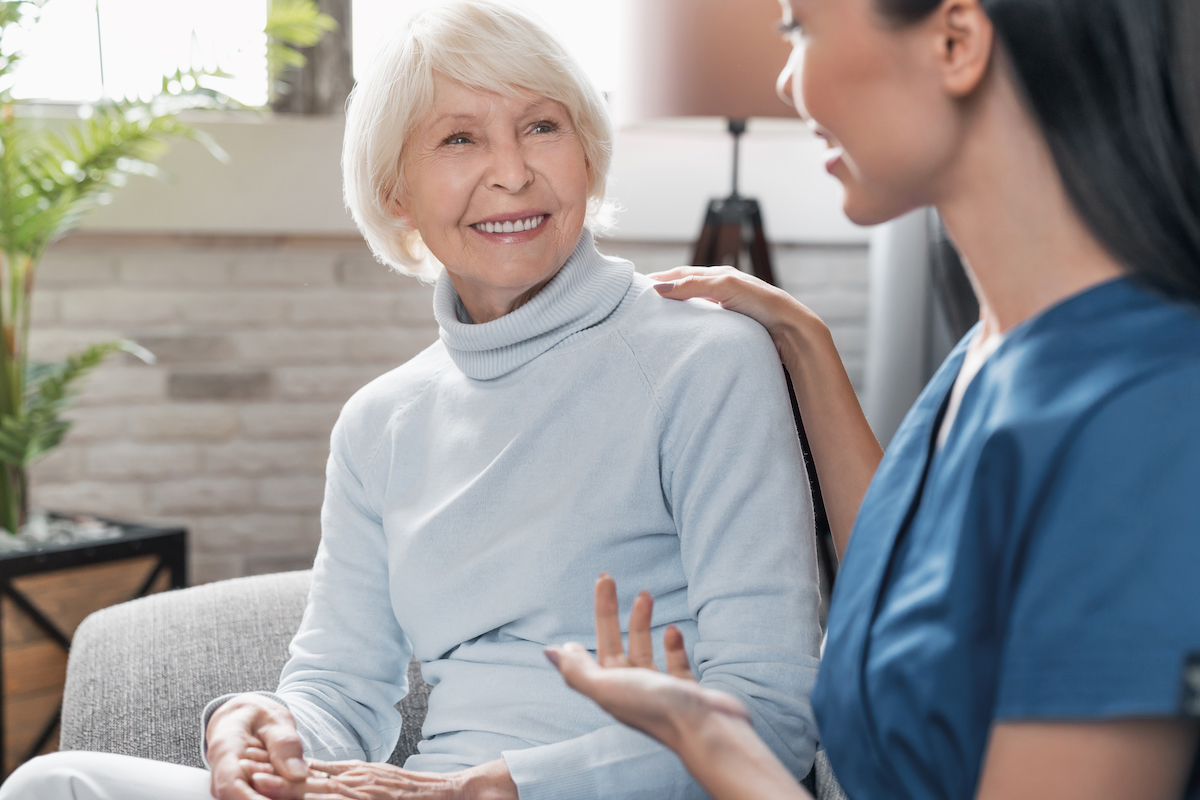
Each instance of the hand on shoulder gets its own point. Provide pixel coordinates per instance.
(787, 320)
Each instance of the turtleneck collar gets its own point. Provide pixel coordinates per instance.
(583, 293)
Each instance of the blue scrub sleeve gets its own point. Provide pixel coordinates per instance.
(1106, 608)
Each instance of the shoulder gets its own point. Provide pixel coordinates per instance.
(1128, 347)
(1114, 440)
(1148, 424)
(665, 335)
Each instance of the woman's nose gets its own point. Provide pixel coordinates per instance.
(787, 85)
(509, 169)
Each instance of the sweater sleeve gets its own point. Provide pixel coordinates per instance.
(349, 659)
(734, 479)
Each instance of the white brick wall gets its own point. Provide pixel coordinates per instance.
(260, 340)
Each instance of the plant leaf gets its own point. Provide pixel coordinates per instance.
(48, 181)
(292, 24)
(49, 388)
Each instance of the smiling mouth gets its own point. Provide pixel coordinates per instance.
(510, 225)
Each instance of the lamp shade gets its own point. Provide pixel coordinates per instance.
(702, 58)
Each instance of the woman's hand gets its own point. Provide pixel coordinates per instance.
(709, 730)
(360, 780)
(246, 733)
(630, 687)
(789, 321)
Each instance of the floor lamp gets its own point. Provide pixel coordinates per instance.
(716, 58)
(710, 58)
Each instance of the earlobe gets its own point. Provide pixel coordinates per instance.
(965, 45)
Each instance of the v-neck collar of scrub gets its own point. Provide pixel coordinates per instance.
(584, 292)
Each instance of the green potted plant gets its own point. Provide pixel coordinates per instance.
(48, 182)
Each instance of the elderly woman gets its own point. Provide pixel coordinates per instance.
(568, 420)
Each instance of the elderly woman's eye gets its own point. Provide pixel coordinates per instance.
(545, 126)
(457, 138)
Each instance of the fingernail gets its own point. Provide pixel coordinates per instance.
(296, 767)
(551, 655)
(663, 288)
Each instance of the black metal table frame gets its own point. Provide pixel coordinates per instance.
(168, 544)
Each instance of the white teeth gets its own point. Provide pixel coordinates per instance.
(510, 226)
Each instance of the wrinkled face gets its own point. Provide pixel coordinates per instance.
(497, 187)
(875, 93)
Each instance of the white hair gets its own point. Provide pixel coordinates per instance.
(483, 46)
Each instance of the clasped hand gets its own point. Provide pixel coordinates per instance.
(353, 780)
(256, 754)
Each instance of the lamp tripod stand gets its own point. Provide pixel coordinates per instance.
(731, 224)
(734, 223)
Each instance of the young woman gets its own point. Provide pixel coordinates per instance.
(1018, 611)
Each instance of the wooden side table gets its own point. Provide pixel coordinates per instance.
(44, 595)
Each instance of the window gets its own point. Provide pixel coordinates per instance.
(141, 40)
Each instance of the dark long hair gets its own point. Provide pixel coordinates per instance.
(1115, 88)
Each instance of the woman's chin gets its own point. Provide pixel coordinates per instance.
(862, 209)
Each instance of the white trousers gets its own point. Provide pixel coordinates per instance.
(78, 775)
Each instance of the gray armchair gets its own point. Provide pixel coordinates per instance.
(140, 673)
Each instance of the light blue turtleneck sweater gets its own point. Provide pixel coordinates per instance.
(474, 494)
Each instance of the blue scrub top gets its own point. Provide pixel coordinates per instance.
(1043, 565)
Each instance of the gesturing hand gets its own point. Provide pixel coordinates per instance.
(630, 687)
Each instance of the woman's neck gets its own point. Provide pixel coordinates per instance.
(487, 303)
(1004, 204)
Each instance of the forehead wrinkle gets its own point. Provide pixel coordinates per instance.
(455, 116)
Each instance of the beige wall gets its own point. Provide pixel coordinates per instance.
(260, 340)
